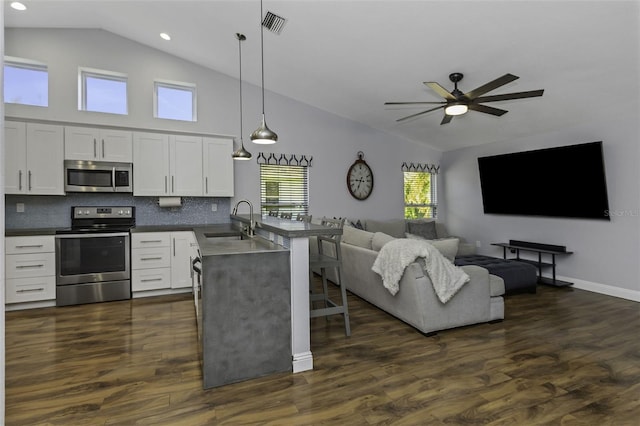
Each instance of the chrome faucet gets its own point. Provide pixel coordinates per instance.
(252, 223)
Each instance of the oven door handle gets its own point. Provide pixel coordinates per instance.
(93, 235)
(113, 173)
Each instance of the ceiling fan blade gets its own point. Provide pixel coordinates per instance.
(439, 90)
(508, 96)
(492, 85)
(446, 119)
(414, 103)
(488, 109)
(418, 114)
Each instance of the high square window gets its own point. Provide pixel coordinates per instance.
(26, 82)
(102, 91)
(174, 100)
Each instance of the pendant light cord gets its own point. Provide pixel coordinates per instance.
(240, 54)
(262, 54)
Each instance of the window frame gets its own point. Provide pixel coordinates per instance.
(293, 206)
(433, 191)
(176, 85)
(84, 72)
(28, 64)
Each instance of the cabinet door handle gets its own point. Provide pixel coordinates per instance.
(29, 290)
(20, 180)
(172, 185)
(151, 258)
(165, 184)
(29, 246)
(29, 266)
(102, 148)
(150, 241)
(206, 185)
(151, 279)
(174, 247)
(29, 180)
(95, 151)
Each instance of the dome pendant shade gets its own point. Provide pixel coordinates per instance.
(263, 135)
(241, 153)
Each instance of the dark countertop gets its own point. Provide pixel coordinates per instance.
(287, 227)
(27, 232)
(171, 228)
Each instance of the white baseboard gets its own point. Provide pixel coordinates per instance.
(609, 290)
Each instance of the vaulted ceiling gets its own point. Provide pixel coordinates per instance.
(349, 56)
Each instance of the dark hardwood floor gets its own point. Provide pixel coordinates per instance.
(561, 356)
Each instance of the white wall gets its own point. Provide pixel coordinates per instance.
(606, 253)
(331, 140)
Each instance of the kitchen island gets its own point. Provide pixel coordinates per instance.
(293, 235)
(244, 315)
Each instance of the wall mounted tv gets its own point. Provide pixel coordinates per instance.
(566, 181)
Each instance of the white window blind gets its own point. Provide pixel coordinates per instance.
(284, 189)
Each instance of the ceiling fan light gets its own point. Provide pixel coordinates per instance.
(456, 108)
(263, 135)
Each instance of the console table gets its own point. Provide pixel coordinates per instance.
(541, 249)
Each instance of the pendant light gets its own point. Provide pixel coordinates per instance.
(263, 135)
(241, 153)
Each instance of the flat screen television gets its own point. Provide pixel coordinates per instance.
(567, 181)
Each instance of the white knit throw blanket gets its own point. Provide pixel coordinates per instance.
(397, 254)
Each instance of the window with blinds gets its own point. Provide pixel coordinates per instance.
(284, 189)
(420, 195)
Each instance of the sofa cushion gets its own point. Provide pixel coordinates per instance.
(423, 228)
(380, 239)
(448, 247)
(357, 237)
(393, 227)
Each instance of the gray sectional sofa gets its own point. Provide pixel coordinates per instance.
(480, 300)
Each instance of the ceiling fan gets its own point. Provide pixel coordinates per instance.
(458, 103)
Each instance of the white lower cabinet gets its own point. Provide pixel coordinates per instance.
(30, 269)
(161, 260)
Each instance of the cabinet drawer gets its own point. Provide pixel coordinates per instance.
(32, 244)
(19, 290)
(150, 279)
(150, 239)
(150, 258)
(30, 265)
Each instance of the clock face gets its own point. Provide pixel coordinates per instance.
(360, 180)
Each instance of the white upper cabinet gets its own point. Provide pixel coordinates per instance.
(167, 165)
(86, 143)
(217, 165)
(34, 158)
(186, 165)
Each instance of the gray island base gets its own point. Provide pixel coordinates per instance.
(245, 306)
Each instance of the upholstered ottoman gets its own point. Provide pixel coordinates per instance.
(518, 276)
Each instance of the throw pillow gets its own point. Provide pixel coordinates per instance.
(448, 247)
(356, 237)
(380, 239)
(423, 228)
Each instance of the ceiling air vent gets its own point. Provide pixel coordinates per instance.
(273, 22)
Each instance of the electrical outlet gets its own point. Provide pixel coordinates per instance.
(19, 207)
(214, 207)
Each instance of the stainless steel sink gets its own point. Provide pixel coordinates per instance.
(213, 237)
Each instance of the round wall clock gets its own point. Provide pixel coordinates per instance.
(360, 178)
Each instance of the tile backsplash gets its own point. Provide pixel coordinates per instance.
(55, 211)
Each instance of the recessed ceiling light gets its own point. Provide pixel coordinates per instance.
(165, 36)
(18, 6)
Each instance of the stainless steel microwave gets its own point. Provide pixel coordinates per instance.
(97, 176)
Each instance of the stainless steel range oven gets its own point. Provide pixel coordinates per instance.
(93, 257)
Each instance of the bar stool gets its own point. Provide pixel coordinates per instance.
(285, 215)
(273, 213)
(329, 256)
(303, 218)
